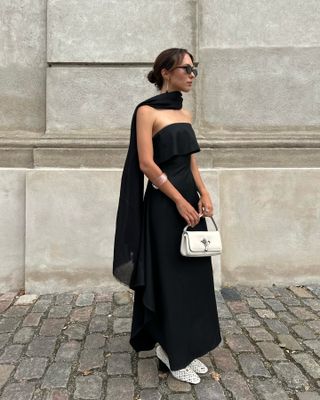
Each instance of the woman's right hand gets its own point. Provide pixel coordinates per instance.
(188, 212)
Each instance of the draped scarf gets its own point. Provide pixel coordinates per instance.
(130, 206)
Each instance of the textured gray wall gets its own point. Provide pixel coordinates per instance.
(22, 67)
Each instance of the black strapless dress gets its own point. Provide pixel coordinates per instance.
(174, 301)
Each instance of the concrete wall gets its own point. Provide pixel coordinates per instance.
(71, 74)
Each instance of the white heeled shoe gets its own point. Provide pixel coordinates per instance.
(198, 366)
(185, 374)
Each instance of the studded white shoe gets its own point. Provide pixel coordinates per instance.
(185, 374)
(198, 366)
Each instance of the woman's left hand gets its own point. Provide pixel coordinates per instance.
(205, 206)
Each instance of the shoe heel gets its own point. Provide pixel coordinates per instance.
(162, 366)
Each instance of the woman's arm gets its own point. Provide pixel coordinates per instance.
(205, 203)
(144, 124)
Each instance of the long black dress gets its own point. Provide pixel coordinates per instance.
(174, 302)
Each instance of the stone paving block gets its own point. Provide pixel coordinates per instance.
(223, 359)
(104, 297)
(31, 368)
(4, 305)
(148, 373)
(41, 346)
(60, 311)
(223, 311)
(246, 291)
(315, 289)
(230, 327)
(32, 319)
(176, 385)
(149, 394)
(119, 363)
(103, 309)
(120, 388)
(259, 334)
(92, 358)
(11, 354)
(246, 320)
(209, 389)
(88, 387)
(41, 306)
(16, 311)
(122, 325)
(238, 307)
(275, 304)
(315, 326)
(289, 342)
(264, 292)
(26, 299)
(304, 332)
(290, 375)
(265, 313)
(75, 331)
(4, 338)
(269, 389)
(290, 301)
(230, 294)
(252, 365)
(272, 351)
(9, 324)
(81, 314)
(255, 302)
(5, 372)
(312, 303)
(68, 351)
(64, 298)
(52, 326)
(237, 385)
(276, 326)
(57, 375)
(85, 299)
(121, 298)
(95, 341)
(119, 344)
(308, 363)
(301, 292)
(303, 313)
(239, 343)
(287, 317)
(308, 396)
(314, 345)
(99, 323)
(180, 396)
(123, 311)
(18, 391)
(58, 394)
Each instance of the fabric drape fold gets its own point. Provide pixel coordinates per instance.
(130, 206)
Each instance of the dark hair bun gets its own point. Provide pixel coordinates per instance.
(151, 77)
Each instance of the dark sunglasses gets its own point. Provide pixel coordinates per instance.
(188, 68)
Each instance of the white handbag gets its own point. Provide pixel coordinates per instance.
(200, 243)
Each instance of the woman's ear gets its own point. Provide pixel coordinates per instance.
(164, 73)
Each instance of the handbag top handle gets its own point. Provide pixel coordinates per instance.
(201, 215)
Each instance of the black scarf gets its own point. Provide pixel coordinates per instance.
(130, 207)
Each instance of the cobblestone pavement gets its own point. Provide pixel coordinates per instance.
(75, 346)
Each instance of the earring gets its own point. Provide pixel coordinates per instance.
(167, 86)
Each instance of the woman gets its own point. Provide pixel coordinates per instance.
(174, 301)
